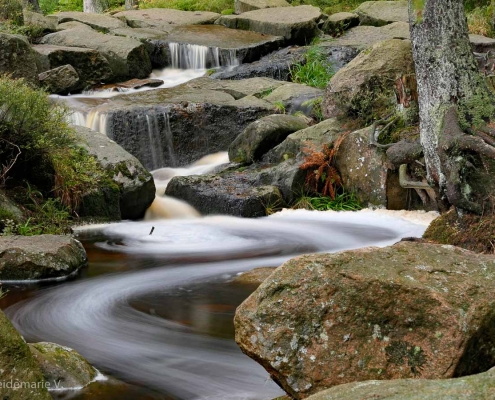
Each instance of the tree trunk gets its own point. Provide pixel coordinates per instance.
(131, 4)
(96, 6)
(454, 101)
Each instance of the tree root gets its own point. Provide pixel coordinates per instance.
(374, 133)
(408, 184)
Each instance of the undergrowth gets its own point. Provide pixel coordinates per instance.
(315, 71)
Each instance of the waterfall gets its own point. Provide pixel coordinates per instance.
(155, 142)
(94, 119)
(193, 56)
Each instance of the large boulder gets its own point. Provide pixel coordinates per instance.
(136, 188)
(262, 135)
(296, 24)
(100, 22)
(128, 58)
(39, 257)
(60, 80)
(165, 19)
(241, 6)
(18, 366)
(379, 13)
(91, 66)
(365, 87)
(17, 58)
(479, 386)
(407, 311)
(62, 368)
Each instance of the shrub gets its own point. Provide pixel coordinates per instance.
(315, 71)
(11, 10)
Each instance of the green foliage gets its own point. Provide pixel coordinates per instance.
(480, 21)
(228, 11)
(52, 6)
(190, 5)
(475, 111)
(315, 71)
(11, 10)
(280, 107)
(344, 201)
(316, 110)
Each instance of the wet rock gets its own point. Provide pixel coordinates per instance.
(241, 6)
(91, 66)
(254, 277)
(18, 365)
(262, 135)
(135, 188)
(293, 96)
(60, 80)
(130, 84)
(128, 58)
(40, 257)
(296, 24)
(17, 58)
(369, 79)
(379, 13)
(165, 19)
(101, 22)
(39, 21)
(407, 311)
(62, 367)
(337, 23)
(480, 386)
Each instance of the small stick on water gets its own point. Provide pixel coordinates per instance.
(152, 229)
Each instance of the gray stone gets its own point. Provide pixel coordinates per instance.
(71, 25)
(19, 365)
(128, 58)
(92, 68)
(39, 21)
(262, 135)
(7, 206)
(482, 44)
(293, 96)
(60, 80)
(17, 59)
(338, 23)
(296, 24)
(100, 22)
(62, 367)
(39, 257)
(165, 19)
(254, 277)
(379, 13)
(241, 6)
(135, 183)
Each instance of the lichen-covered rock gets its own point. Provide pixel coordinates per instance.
(17, 58)
(60, 80)
(296, 24)
(365, 86)
(18, 366)
(412, 310)
(39, 257)
(262, 135)
(100, 22)
(62, 368)
(135, 185)
(338, 23)
(479, 386)
(241, 6)
(379, 13)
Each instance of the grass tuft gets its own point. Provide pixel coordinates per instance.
(316, 71)
(344, 201)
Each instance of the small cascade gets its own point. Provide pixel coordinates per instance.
(196, 57)
(155, 142)
(169, 207)
(94, 119)
(229, 58)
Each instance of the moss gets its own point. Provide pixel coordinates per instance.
(476, 110)
(401, 353)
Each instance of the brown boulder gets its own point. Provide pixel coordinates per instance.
(412, 310)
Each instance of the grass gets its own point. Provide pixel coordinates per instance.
(480, 21)
(315, 71)
(344, 201)
(190, 5)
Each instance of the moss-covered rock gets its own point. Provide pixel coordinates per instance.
(62, 367)
(17, 59)
(406, 311)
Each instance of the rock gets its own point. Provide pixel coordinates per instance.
(17, 58)
(18, 365)
(482, 44)
(211, 194)
(407, 311)
(130, 84)
(9, 209)
(40, 257)
(293, 96)
(39, 21)
(165, 19)
(296, 24)
(241, 6)
(254, 277)
(337, 23)
(135, 184)
(72, 25)
(379, 13)
(362, 37)
(262, 135)
(62, 367)
(480, 386)
(100, 22)
(60, 80)
(231, 46)
(91, 66)
(177, 126)
(366, 85)
(128, 58)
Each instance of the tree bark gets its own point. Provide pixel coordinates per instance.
(450, 88)
(96, 6)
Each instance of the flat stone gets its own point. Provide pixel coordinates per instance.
(60, 80)
(17, 59)
(100, 22)
(165, 19)
(39, 257)
(482, 44)
(241, 6)
(296, 24)
(337, 23)
(71, 25)
(379, 13)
